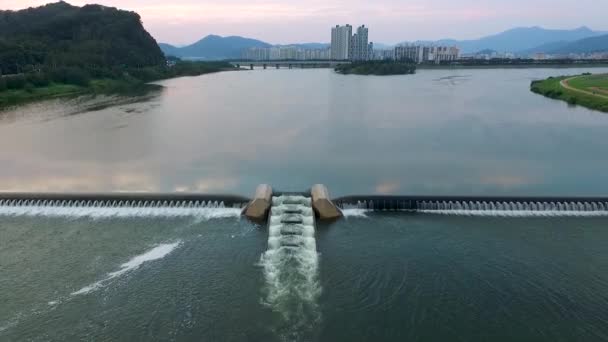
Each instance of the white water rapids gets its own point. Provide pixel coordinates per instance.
(291, 267)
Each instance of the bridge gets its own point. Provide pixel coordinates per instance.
(259, 207)
(288, 64)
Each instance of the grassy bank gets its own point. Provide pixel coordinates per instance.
(510, 66)
(377, 68)
(11, 97)
(590, 91)
(25, 88)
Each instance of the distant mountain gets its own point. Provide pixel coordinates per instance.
(518, 39)
(168, 49)
(587, 45)
(214, 47)
(545, 47)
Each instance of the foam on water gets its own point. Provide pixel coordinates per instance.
(155, 253)
(355, 212)
(291, 268)
(119, 212)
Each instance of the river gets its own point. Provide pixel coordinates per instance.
(114, 274)
(437, 132)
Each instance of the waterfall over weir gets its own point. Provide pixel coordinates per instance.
(120, 205)
(291, 266)
(482, 206)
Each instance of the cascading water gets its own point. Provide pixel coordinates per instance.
(291, 267)
(117, 208)
(487, 208)
(512, 209)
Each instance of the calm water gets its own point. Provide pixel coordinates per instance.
(114, 275)
(437, 132)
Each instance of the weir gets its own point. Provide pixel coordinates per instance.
(474, 204)
(119, 200)
(322, 206)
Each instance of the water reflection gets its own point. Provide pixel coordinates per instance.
(61, 107)
(436, 132)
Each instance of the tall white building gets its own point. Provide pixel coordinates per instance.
(359, 45)
(340, 42)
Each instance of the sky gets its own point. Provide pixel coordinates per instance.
(390, 21)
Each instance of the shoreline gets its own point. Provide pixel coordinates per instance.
(11, 98)
(507, 66)
(559, 88)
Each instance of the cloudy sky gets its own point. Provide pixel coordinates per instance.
(390, 21)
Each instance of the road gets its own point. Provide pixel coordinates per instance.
(565, 84)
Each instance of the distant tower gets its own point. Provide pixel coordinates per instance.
(359, 47)
(340, 42)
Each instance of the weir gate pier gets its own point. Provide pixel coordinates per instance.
(322, 206)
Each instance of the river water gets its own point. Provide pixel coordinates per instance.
(91, 274)
(437, 132)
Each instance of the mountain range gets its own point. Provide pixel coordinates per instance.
(518, 40)
(587, 45)
(522, 40)
(215, 47)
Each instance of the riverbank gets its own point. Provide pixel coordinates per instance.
(590, 91)
(512, 66)
(26, 88)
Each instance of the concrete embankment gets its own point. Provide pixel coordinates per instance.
(322, 204)
(259, 206)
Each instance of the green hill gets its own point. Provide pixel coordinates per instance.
(62, 35)
(59, 49)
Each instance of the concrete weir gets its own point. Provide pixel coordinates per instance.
(259, 206)
(322, 204)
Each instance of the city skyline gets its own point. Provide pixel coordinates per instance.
(279, 22)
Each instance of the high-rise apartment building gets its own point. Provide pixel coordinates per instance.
(340, 42)
(359, 45)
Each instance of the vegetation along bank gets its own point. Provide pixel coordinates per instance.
(587, 90)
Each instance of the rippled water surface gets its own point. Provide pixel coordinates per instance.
(387, 277)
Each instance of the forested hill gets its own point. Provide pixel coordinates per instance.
(62, 35)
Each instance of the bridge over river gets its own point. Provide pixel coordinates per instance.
(288, 64)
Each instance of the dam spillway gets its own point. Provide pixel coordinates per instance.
(142, 204)
(480, 205)
(291, 263)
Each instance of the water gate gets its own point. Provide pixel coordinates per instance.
(291, 261)
(318, 201)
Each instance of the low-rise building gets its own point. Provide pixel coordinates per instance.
(384, 55)
(285, 53)
(424, 54)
